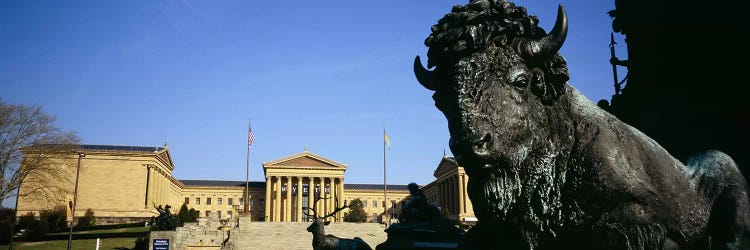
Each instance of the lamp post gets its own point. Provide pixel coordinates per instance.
(75, 199)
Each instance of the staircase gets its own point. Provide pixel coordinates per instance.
(294, 235)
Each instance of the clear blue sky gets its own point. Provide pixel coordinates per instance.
(327, 74)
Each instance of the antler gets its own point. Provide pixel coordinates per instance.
(337, 207)
(314, 209)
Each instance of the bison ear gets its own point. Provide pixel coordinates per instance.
(541, 88)
(501, 40)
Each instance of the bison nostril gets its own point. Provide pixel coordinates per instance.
(482, 145)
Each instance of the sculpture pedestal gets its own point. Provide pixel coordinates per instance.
(421, 237)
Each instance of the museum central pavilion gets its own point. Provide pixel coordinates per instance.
(124, 183)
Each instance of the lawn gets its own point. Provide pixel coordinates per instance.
(107, 244)
(116, 230)
(84, 244)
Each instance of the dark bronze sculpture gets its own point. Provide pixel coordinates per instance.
(421, 226)
(165, 220)
(321, 241)
(418, 211)
(549, 169)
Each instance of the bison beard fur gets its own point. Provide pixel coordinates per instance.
(547, 168)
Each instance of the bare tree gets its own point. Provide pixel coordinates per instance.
(32, 149)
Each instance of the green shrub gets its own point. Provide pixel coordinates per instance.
(7, 219)
(183, 215)
(37, 231)
(141, 243)
(356, 212)
(87, 220)
(193, 215)
(25, 221)
(56, 218)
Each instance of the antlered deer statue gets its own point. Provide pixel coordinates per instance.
(322, 241)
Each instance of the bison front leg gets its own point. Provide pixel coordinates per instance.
(720, 180)
(633, 237)
(729, 224)
(631, 228)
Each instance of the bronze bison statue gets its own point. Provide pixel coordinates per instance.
(549, 169)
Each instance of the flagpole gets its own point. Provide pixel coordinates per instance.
(246, 203)
(385, 186)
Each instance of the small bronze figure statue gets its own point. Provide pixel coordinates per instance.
(165, 220)
(418, 212)
(421, 226)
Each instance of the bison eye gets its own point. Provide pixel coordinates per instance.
(520, 81)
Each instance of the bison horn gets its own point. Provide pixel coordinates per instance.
(533, 48)
(424, 76)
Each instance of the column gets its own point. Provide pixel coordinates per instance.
(148, 186)
(450, 195)
(268, 199)
(443, 195)
(340, 216)
(455, 193)
(299, 199)
(277, 201)
(330, 196)
(310, 193)
(461, 205)
(323, 195)
(288, 206)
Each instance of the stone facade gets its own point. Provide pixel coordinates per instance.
(448, 192)
(114, 181)
(123, 183)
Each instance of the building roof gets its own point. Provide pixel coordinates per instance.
(375, 187)
(214, 183)
(140, 149)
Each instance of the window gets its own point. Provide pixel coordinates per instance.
(383, 203)
(187, 200)
(229, 202)
(208, 201)
(262, 204)
(218, 201)
(219, 212)
(250, 204)
(364, 203)
(241, 202)
(197, 200)
(374, 203)
(229, 213)
(374, 217)
(208, 212)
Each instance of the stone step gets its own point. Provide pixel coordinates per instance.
(294, 235)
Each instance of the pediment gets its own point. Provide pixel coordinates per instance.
(304, 159)
(446, 165)
(166, 157)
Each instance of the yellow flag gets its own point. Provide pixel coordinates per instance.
(387, 141)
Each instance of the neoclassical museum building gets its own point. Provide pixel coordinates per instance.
(125, 183)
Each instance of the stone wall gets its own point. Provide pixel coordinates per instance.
(204, 234)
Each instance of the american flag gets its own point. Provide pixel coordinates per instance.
(249, 136)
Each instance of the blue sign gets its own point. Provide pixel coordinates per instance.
(161, 244)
